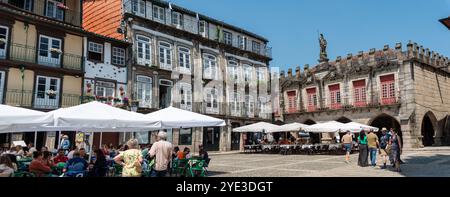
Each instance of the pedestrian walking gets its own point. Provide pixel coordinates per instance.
(396, 150)
(373, 144)
(347, 141)
(131, 160)
(363, 152)
(161, 151)
(384, 141)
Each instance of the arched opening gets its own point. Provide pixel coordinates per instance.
(388, 122)
(313, 137)
(428, 129)
(343, 120)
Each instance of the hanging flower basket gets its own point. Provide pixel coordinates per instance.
(50, 93)
(126, 101)
(110, 98)
(117, 100)
(55, 51)
(101, 98)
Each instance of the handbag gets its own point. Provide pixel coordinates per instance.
(388, 149)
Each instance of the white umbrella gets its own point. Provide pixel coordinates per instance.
(355, 127)
(99, 117)
(172, 118)
(327, 127)
(16, 119)
(259, 127)
(293, 127)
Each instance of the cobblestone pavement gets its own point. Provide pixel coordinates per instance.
(431, 163)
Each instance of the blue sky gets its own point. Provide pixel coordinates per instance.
(349, 26)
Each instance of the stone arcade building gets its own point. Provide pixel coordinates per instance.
(394, 88)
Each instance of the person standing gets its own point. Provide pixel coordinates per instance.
(131, 160)
(161, 151)
(362, 144)
(6, 166)
(65, 144)
(347, 141)
(37, 166)
(373, 144)
(384, 141)
(396, 150)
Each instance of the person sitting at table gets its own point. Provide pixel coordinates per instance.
(47, 158)
(283, 141)
(100, 165)
(204, 154)
(83, 154)
(43, 149)
(6, 166)
(105, 149)
(76, 165)
(31, 149)
(37, 166)
(60, 158)
(70, 154)
(187, 153)
(19, 151)
(11, 151)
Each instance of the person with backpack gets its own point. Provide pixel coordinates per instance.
(384, 141)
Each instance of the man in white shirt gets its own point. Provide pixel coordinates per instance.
(162, 152)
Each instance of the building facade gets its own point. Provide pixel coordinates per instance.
(41, 58)
(394, 88)
(184, 59)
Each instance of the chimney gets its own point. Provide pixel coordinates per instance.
(297, 72)
(290, 73)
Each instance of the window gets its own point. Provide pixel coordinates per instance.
(23, 4)
(143, 50)
(95, 51)
(144, 91)
(2, 85)
(203, 28)
(165, 55)
(212, 105)
(158, 14)
(118, 56)
(3, 41)
(54, 9)
(256, 46)
(228, 37)
(262, 105)
(177, 19)
(312, 99)
(242, 42)
(47, 92)
(335, 96)
(142, 137)
(387, 89)
(104, 89)
(233, 71)
(185, 137)
(292, 101)
(235, 104)
(209, 66)
(49, 51)
(260, 74)
(184, 59)
(248, 70)
(359, 93)
(185, 96)
(138, 7)
(250, 105)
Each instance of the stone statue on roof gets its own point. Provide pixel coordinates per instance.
(323, 49)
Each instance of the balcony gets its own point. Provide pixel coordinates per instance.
(335, 106)
(28, 54)
(40, 100)
(68, 13)
(312, 108)
(388, 101)
(291, 110)
(360, 104)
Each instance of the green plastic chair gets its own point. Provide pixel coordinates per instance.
(118, 170)
(196, 166)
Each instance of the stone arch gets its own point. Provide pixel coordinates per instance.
(309, 122)
(343, 119)
(429, 129)
(386, 121)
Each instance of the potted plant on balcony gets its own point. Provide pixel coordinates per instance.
(126, 101)
(89, 88)
(101, 98)
(55, 51)
(117, 100)
(51, 93)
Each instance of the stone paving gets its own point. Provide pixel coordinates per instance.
(429, 163)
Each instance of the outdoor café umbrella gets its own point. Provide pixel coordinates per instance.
(99, 117)
(327, 127)
(355, 127)
(259, 127)
(172, 118)
(16, 119)
(293, 127)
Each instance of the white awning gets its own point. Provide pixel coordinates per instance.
(99, 117)
(355, 127)
(259, 127)
(327, 127)
(172, 118)
(16, 119)
(293, 127)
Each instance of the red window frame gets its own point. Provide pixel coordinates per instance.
(292, 101)
(387, 84)
(312, 99)
(335, 96)
(359, 93)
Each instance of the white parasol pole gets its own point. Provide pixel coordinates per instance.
(91, 141)
(35, 138)
(101, 139)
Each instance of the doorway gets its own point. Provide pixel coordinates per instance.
(211, 138)
(165, 93)
(235, 137)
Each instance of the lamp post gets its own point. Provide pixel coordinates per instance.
(22, 75)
